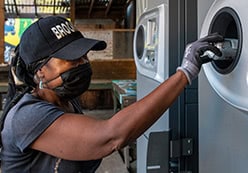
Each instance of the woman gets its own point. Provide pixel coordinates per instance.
(44, 130)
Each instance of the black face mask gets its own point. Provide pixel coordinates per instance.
(75, 82)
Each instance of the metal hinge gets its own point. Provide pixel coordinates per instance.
(181, 147)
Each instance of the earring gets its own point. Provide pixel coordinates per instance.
(41, 85)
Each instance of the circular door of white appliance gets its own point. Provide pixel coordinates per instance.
(150, 46)
(229, 78)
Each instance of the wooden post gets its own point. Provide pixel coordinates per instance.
(2, 20)
(72, 11)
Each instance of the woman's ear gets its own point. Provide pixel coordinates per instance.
(38, 76)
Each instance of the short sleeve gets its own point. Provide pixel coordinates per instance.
(32, 117)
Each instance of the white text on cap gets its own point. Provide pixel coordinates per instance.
(62, 30)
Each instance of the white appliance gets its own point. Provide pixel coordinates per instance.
(151, 58)
(223, 91)
(162, 31)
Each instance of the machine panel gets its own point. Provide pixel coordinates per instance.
(223, 96)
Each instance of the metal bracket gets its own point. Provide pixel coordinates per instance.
(181, 147)
(161, 153)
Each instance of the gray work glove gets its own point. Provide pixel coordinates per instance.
(193, 58)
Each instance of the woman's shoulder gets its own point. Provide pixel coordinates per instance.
(29, 118)
(30, 108)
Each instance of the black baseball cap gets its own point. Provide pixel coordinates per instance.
(55, 36)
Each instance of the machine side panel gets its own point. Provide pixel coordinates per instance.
(223, 134)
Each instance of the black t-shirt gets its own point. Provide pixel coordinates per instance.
(26, 121)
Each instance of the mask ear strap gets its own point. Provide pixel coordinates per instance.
(41, 84)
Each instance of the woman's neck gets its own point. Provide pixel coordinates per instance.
(51, 97)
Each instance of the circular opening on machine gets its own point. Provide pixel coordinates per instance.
(226, 22)
(140, 41)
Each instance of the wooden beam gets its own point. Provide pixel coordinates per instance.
(35, 8)
(16, 9)
(72, 11)
(110, 69)
(108, 8)
(54, 1)
(91, 7)
(2, 20)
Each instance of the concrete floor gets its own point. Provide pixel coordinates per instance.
(112, 164)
